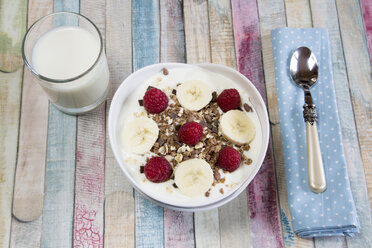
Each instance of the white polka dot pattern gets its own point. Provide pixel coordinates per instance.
(332, 212)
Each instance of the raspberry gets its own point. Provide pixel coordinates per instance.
(155, 101)
(229, 159)
(229, 99)
(190, 133)
(158, 169)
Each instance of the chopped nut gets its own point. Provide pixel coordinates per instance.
(247, 108)
(199, 145)
(222, 180)
(170, 121)
(160, 142)
(217, 175)
(165, 71)
(208, 118)
(214, 96)
(221, 190)
(249, 161)
(207, 194)
(174, 91)
(246, 147)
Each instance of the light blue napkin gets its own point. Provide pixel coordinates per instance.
(333, 212)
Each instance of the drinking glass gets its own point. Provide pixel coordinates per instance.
(87, 89)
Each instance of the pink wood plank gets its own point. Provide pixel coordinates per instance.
(262, 195)
(366, 6)
(90, 158)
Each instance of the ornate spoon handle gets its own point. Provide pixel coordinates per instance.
(316, 175)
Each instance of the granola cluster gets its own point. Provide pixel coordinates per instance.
(168, 145)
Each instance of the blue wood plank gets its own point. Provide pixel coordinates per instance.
(145, 19)
(58, 211)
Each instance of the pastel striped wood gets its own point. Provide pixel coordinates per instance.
(172, 31)
(355, 166)
(119, 201)
(299, 16)
(206, 224)
(145, 23)
(12, 29)
(262, 197)
(29, 178)
(58, 210)
(26, 234)
(234, 216)
(119, 219)
(13, 17)
(10, 97)
(360, 81)
(90, 154)
(366, 7)
(178, 226)
(298, 13)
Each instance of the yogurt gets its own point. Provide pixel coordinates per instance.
(216, 82)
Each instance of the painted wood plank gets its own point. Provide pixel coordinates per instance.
(360, 81)
(26, 234)
(196, 31)
(12, 29)
(29, 179)
(90, 154)
(172, 31)
(58, 209)
(366, 6)
(119, 219)
(298, 13)
(206, 224)
(119, 202)
(263, 204)
(268, 10)
(10, 98)
(234, 216)
(351, 43)
(178, 226)
(13, 15)
(149, 227)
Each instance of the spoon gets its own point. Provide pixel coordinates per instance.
(304, 72)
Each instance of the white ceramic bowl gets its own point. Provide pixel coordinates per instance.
(131, 83)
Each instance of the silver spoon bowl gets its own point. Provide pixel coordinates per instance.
(304, 72)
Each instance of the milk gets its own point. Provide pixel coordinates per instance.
(65, 53)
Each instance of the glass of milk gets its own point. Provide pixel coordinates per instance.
(65, 52)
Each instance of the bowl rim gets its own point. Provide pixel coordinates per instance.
(263, 117)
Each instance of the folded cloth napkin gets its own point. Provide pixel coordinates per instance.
(331, 213)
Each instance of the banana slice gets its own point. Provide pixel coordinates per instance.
(193, 177)
(194, 95)
(237, 127)
(139, 135)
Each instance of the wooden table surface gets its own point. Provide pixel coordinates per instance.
(60, 185)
